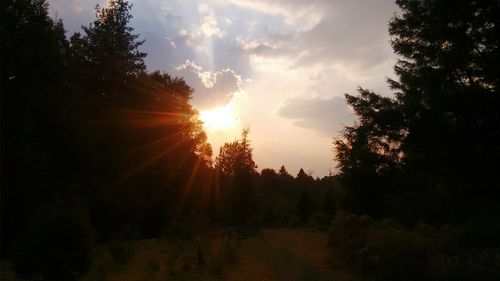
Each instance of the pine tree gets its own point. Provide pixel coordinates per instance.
(436, 139)
(108, 53)
(236, 157)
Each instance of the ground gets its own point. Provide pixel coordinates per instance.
(270, 255)
(286, 254)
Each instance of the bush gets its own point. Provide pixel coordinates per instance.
(187, 228)
(215, 249)
(285, 212)
(120, 252)
(348, 235)
(392, 252)
(483, 265)
(320, 221)
(56, 247)
(222, 251)
(386, 251)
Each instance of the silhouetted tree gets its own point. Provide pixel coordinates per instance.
(305, 203)
(107, 56)
(429, 152)
(236, 157)
(448, 93)
(36, 150)
(328, 204)
(235, 164)
(283, 172)
(368, 153)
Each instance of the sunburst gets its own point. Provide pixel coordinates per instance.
(220, 118)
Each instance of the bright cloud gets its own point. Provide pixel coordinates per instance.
(213, 87)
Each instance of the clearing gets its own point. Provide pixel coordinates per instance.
(286, 254)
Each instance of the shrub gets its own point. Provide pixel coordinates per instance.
(222, 251)
(392, 252)
(483, 265)
(56, 247)
(348, 235)
(153, 265)
(385, 250)
(320, 221)
(285, 212)
(187, 228)
(120, 252)
(215, 249)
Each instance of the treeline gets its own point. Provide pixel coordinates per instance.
(420, 168)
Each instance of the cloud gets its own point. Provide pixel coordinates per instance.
(352, 34)
(269, 44)
(294, 11)
(212, 87)
(207, 28)
(327, 116)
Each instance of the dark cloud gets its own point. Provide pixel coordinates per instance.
(325, 115)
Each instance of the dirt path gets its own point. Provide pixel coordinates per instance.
(285, 254)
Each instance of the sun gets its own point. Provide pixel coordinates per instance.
(219, 118)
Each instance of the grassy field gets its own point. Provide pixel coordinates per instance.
(271, 255)
(287, 254)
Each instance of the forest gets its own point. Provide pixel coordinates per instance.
(104, 161)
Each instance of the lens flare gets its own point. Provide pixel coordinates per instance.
(219, 118)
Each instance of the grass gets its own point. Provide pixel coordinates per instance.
(271, 255)
(287, 254)
(203, 258)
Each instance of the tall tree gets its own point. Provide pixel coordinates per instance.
(36, 150)
(237, 169)
(236, 157)
(33, 48)
(368, 153)
(134, 129)
(448, 93)
(108, 53)
(440, 130)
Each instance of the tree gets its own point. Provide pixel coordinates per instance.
(36, 148)
(368, 153)
(134, 129)
(305, 203)
(283, 173)
(435, 140)
(33, 49)
(237, 169)
(236, 157)
(108, 54)
(448, 93)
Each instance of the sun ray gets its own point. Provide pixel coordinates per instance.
(189, 183)
(146, 163)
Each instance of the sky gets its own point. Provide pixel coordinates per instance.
(279, 67)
